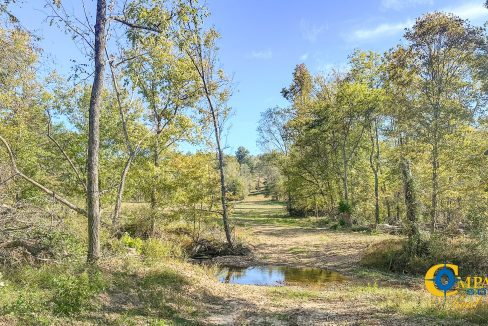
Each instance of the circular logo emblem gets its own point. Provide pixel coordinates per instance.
(440, 279)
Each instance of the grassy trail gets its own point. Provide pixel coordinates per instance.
(171, 291)
(366, 298)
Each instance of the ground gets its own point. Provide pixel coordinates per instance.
(366, 298)
(172, 291)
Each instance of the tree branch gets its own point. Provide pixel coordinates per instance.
(37, 184)
(78, 174)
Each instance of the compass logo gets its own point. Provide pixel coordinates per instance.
(441, 279)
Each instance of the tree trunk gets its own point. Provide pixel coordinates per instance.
(410, 193)
(222, 179)
(435, 183)
(132, 153)
(93, 194)
(388, 210)
(153, 191)
(120, 193)
(344, 175)
(374, 159)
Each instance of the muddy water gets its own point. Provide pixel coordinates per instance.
(277, 275)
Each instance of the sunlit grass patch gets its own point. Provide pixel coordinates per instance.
(292, 293)
(297, 250)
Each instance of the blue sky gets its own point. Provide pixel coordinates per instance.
(263, 40)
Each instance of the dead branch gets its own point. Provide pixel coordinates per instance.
(48, 191)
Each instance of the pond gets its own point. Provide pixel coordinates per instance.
(277, 275)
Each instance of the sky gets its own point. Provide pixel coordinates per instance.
(263, 40)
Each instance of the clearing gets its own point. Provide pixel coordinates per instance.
(366, 298)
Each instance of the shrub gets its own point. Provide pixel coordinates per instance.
(345, 207)
(390, 255)
(73, 293)
(130, 242)
(154, 249)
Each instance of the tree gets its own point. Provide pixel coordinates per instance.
(444, 49)
(242, 156)
(200, 46)
(300, 90)
(93, 192)
(164, 77)
(410, 193)
(272, 130)
(365, 68)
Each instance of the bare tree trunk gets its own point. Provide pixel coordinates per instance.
(374, 159)
(120, 193)
(223, 191)
(153, 191)
(346, 215)
(289, 205)
(388, 210)
(204, 68)
(93, 194)
(397, 198)
(344, 176)
(125, 171)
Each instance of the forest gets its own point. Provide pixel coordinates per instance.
(121, 204)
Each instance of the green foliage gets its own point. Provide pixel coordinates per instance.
(345, 207)
(243, 156)
(346, 133)
(28, 306)
(74, 293)
(154, 249)
(393, 255)
(129, 242)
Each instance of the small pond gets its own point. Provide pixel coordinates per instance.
(277, 275)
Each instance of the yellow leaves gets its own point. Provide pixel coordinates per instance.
(210, 37)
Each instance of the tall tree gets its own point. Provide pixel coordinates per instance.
(365, 68)
(93, 193)
(242, 156)
(444, 48)
(200, 46)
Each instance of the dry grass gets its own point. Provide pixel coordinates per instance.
(174, 292)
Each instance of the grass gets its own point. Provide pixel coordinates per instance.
(124, 291)
(292, 293)
(148, 286)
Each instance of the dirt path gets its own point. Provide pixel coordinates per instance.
(354, 302)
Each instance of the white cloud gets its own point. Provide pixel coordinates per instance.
(401, 4)
(471, 11)
(304, 57)
(263, 55)
(310, 32)
(381, 30)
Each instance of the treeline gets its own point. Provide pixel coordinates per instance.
(399, 134)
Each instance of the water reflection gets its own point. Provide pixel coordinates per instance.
(277, 275)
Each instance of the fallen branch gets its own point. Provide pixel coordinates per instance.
(16, 229)
(48, 191)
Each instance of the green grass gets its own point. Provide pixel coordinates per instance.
(135, 291)
(297, 250)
